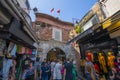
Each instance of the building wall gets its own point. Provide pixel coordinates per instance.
(112, 6)
(45, 33)
(25, 5)
(94, 16)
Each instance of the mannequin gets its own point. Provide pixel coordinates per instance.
(111, 59)
(102, 62)
(89, 56)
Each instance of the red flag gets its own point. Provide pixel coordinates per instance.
(58, 11)
(52, 9)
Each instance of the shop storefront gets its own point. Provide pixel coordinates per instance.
(15, 41)
(102, 46)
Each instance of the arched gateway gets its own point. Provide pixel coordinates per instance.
(50, 49)
(56, 53)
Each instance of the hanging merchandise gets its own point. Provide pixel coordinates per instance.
(118, 60)
(102, 62)
(10, 48)
(22, 50)
(116, 65)
(3, 49)
(29, 51)
(89, 56)
(13, 51)
(111, 59)
(34, 51)
(26, 50)
(97, 69)
(18, 48)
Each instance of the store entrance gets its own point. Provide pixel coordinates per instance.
(56, 53)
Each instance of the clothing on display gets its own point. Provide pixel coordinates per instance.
(111, 59)
(97, 69)
(89, 56)
(102, 62)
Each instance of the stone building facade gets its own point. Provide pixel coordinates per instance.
(53, 33)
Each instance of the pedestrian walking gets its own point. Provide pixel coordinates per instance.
(25, 65)
(52, 68)
(74, 71)
(49, 72)
(89, 70)
(30, 72)
(44, 71)
(68, 70)
(57, 71)
(62, 70)
(38, 66)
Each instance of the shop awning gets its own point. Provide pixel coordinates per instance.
(4, 18)
(112, 24)
(15, 33)
(85, 33)
(114, 30)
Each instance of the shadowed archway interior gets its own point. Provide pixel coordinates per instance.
(56, 53)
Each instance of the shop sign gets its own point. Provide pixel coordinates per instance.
(106, 24)
(113, 20)
(114, 26)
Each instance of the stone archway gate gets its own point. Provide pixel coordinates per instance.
(46, 46)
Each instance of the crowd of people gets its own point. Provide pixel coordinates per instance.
(49, 70)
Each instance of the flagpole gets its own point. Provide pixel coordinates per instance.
(58, 11)
(52, 11)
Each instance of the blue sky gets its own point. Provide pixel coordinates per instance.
(69, 8)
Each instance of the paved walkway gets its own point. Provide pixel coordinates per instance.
(79, 76)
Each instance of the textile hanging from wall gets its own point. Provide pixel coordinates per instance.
(18, 48)
(11, 46)
(23, 50)
(9, 50)
(34, 51)
(2, 46)
(26, 50)
(29, 51)
(13, 51)
(2, 52)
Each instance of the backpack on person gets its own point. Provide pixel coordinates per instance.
(89, 68)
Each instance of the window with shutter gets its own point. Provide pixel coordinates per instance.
(57, 34)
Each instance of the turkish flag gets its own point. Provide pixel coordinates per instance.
(58, 11)
(52, 9)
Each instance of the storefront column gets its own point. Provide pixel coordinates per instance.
(82, 51)
(115, 47)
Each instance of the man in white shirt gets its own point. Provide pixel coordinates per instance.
(57, 71)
